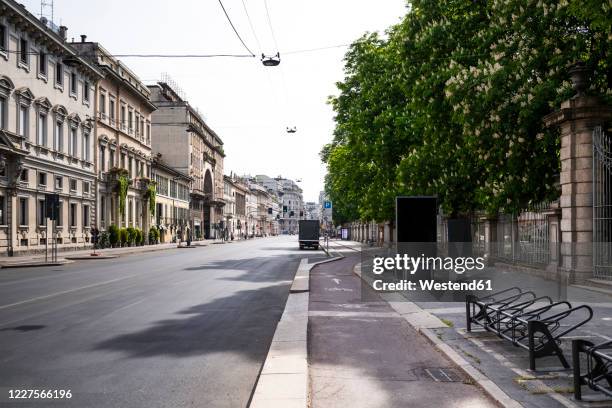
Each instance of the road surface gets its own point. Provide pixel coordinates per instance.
(176, 328)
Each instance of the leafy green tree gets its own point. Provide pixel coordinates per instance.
(451, 103)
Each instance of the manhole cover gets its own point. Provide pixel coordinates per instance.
(443, 374)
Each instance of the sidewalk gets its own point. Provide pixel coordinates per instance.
(65, 256)
(367, 355)
(498, 360)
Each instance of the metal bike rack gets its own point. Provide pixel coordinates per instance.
(598, 375)
(520, 318)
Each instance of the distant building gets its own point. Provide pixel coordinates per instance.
(290, 200)
(325, 214)
(172, 214)
(311, 210)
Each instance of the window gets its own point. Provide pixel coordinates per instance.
(130, 167)
(73, 83)
(41, 213)
(2, 210)
(130, 121)
(23, 177)
(72, 143)
(86, 146)
(42, 63)
(3, 42)
(42, 179)
(73, 185)
(59, 74)
(3, 112)
(111, 109)
(59, 182)
(102, 107)
(85, 91)
(148, 133)
(102, 159)
(85, 216)
(23, 211)
(42, 129)
(60, 214)
(73, 215)
(23, 51)
(102, 209)
(58, 142)
(137, 125)
(23, 121)
(85, 187)
(111, 159)
(123, 116)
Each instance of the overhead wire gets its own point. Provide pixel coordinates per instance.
(234, 28)
(246, 11)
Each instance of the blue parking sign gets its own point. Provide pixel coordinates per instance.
(327, 204)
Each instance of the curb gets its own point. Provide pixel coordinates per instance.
(34, 264)
(283, 380)
(90, 257)
(424, 322)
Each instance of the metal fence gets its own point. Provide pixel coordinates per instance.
(524, 238)
(602, 205)
(520, 239)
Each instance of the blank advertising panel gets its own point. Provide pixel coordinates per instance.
(416, 219)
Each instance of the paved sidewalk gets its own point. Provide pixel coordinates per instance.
(62, 256)
(367, 355)
(500, 361)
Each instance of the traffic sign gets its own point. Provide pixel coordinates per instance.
(327, 204)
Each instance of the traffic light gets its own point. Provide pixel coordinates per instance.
(284, 208)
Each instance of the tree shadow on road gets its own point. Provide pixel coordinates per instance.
(243, 322)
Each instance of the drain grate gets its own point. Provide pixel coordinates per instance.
(443, 374)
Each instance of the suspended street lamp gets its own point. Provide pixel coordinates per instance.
(270, 61)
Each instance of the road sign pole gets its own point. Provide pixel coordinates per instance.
(46, 239)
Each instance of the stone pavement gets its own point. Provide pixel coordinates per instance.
(63, 256)
(365, 354)
(506, 365)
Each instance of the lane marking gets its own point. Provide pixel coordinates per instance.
(64, 292)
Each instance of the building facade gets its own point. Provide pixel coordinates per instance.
(172, 213)
(46, 136)
(228, 227)
(190, 146)
(123, 140)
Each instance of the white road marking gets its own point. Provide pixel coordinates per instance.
(65, 292)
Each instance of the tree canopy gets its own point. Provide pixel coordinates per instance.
(449, 102)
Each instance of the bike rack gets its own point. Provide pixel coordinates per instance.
(520, 318)
(598, 367)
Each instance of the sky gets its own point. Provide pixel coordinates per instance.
(248, 105)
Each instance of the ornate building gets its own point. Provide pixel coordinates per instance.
(123, 114)
(190, 146)
(46, 134)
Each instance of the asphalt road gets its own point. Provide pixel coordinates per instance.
(177, 328)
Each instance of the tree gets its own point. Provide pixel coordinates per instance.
(451, 104)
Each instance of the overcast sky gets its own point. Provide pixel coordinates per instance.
(247, 104)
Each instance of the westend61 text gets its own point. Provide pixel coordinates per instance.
(428, 285)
